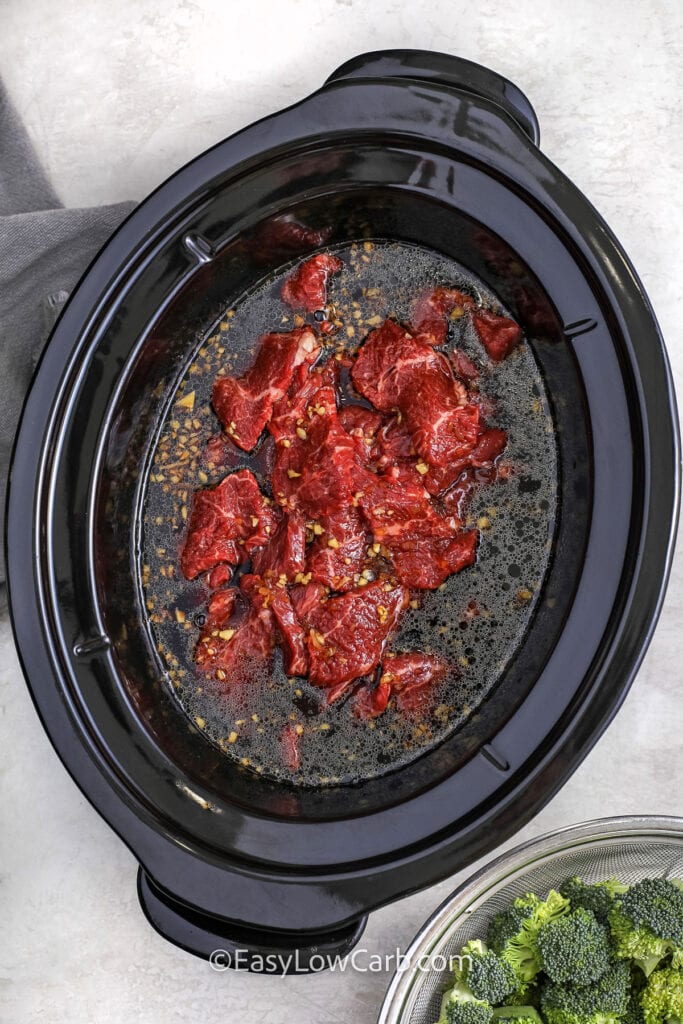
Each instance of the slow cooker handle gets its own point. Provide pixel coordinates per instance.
(448, 70)
(227, 944)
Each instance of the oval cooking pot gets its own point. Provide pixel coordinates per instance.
(415, 146)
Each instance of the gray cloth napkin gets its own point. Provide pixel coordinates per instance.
(44, 249)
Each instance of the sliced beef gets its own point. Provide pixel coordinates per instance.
(221, 607)
(433, 308)
(346, 634)
(371, 701)
(238, 649)
(306, 287)
(284, 554)
(364, 426)
(289, 629)
(489, 447)
(228, 522)
(386, 364)
(443, 426)
(290, 746)
(305, 600)
(425, 562)
(359, 421)
(482, 469)
(316, 468)
(465, 368)
(424, 547)
(339, 552)
(312, 392)
(396, 370)
(244, 404)
(498, 334)
(395, 443)
(412, 678)
(446, 443)
(392, 510)
(409, 679)
(286, 236)
(219, 576)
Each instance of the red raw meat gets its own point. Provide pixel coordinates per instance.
(237, 653)
(498, 334)
(432, 309)
(396, 370)
(359, 421)
(443, 426)
(219, 576)
(392, 510)
(425, 562)
(412, 677)
(317, 469)
(221, 608)
(371, 701)
(305, 599)
(386, 364)
(347, 633)
(335, 565)
(489, 447)
(290, 746)
(446, 443)
(363, 425)
(277, 599)
(244, 405)
(228, 522)
(424, 547)
(465, 368)
(306, 287)
(286, 235)
(311, 391)
(284, 554)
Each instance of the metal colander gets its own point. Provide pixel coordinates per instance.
(629, 848)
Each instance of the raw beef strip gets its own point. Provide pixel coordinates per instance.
(386, 364)
(432, 310)
(340, 551)
(237, 653)
(306, 287)
(284, 554)
(316, 469)
(347, 633)
(273, 597)
(311, 391)
(244, 404)
(412, 677)
(228, 522)
(498, 334)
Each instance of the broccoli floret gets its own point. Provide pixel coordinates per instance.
(488, 976)
(526, 995)
(459, 1006)
(647, 923)
(516, 1015)
(468, 1013)
(598, 897)
(513, 934)
(603, 1002)
(634, 1010)
(575, 948)
(662, 999)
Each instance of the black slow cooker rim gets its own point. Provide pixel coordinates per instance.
(663, 500)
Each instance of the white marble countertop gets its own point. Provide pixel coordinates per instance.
(116, 95)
